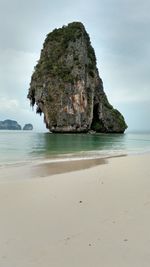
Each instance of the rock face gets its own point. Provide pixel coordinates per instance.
(28, 127)
(67, 88)
(9, 125)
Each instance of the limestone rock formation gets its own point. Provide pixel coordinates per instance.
(9, 125)
(28, 127)
(67, 88)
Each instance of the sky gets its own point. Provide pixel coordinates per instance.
(119, 32)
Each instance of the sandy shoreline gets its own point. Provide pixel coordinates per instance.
(17, 172)
(94, 217)
(43, 168)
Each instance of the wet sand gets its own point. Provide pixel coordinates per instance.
(15, 172)
(91, 217)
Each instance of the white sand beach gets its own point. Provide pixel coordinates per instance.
(93, 217)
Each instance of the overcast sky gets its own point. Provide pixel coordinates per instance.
(119, 32)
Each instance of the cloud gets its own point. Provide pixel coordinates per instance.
(12, 109)
(125, 81)
(8, 104)
(136, 114)
(16, 70)
(28, 22)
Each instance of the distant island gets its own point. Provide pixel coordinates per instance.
(28, 127)
(13, 125)
(9, 125)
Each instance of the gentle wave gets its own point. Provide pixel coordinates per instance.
(34, 148)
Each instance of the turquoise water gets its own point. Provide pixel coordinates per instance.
(20, 146)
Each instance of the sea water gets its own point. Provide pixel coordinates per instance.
(28, 147)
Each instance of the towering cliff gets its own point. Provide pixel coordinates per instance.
(67, 88)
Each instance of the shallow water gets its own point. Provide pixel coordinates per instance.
(21, 146)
